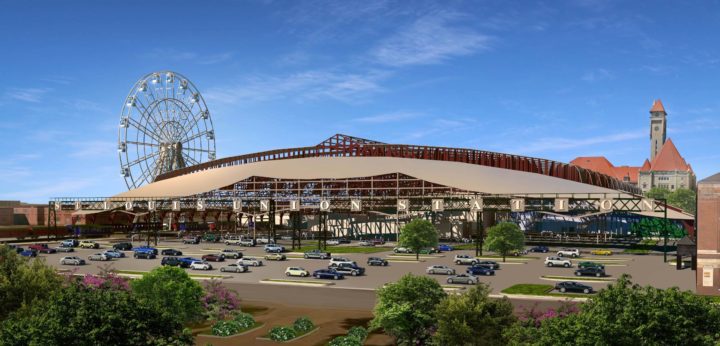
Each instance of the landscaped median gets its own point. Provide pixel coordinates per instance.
(539, 290)
(346, 249)
(302, 327)
(576, 278)
(138, 273)
(291, 282)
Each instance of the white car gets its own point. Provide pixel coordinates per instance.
(233, 240)
(366, 243)
(263, 240)
(558, 262)
(247, 242)
(333, 242)
(72, 260)
(98, 257)
(402, 250)
(569, 253)
(200, 265)
(465, 259)
(335, 261)
(437, 269)
(296, 271)
(250, 261)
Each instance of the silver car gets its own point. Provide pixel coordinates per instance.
(72, 260)
(98, 257)
(440, 270)
(234, 268)
(250, 261)
(463, 279)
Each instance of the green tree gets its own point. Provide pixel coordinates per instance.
(80, 315)
(684, 199)
(22, 280)
(418, 234)
(657, 193)
(473, 318)
(627, 314)
(405, 309)
(504, 238)
(171, 291)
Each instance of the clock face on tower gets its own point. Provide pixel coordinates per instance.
(657, 128)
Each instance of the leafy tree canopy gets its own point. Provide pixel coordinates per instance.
(504, 238)
(681, 198)
(473, 318)
(418, 234)
(171, 291)
(405, 309)
(23, 280)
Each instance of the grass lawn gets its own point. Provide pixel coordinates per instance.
(539, 290)
(577, 278)
(636, 251)
(137, 272)
(347, 249)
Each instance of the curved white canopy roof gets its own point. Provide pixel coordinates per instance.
(482, 179)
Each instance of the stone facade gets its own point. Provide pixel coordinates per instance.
(708, 236)
(670, 180)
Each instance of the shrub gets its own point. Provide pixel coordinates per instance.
(244, 320)
(219, 301)
(282, 334)
(303, 325)
(357, 332)
(345, 341)
(225, 328)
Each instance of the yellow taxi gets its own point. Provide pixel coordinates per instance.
(603, 252)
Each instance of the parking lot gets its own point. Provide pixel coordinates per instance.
(530, 269)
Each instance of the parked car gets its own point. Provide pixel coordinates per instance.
(17, 248)
(263, 240)
(234, 268)
(572, 286)
(250, 261)
(489, 264)
(274, 248)
(569, 253)
(69, 243)
(247, 242)
(113, 254)
(427, 251)
(590, 271)
(480, 270)
(41, 248)
(153, 250)
(317, 254)
(170, 261)
(337, 260)
(343, 241)
(98, 257)
(296, 271)
(332, 242)
(275, 257)
(328, 274)
(366, 243)
(601, 252)
(401, 249)
(378, 241)
(171, 252)
(349, 268)
(124, 246)
(144, 255)
(463, 279)
(438, 269)
(186, 261)
(445, 247)
(64, 249)
(213, 257)
(89, 244)
(590, 265)
(192, 240)
(465, 259)
(377, 261)
(558, 262)
(200, 265)
(520, 252)
(230, 253)
(543, 249)
(211, 238)
(72, 260)
(28, 253)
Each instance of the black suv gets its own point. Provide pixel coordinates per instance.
(122, 246)
(171, 252)
(591, 271)
(170, 261)
(144, 255)
(377, 261)
(349, 268)
(572, 286)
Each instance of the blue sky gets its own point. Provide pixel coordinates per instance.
(553, 79)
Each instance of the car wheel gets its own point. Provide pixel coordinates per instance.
(549, 264)
(562, 289)
(566, 265)
(385, 264)
(457, 262)
(222, 270)
(574, 256)
(560, 255)
(306, 256)
(586, 291)
(577, 273)
(488, 273)
(431, 272)
(473, 263)
(597, 275)
(335, 277)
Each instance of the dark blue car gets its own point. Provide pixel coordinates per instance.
(328, 274)
(445, 247)
(480, 270)
(543, 249)
(29, 253)
(146, 249)
(186, 261)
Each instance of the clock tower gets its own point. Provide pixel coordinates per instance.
(658, 128)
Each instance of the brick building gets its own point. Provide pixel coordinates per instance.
(14, 213)
(708, 236)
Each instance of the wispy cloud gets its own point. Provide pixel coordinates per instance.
(348, 87)
(597, 75)
(388, 117)
(178, 55)
(557, 144)
(33, 95)
(93, 149)
(430, 39)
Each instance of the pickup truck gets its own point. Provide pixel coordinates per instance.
(569, 253)
(317, 254)
(558, 262)
(348, 268)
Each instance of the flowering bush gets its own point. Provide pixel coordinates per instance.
(225, 328)
(358, 332)
(303, 325)
(110, 281)
(219, 301)
(345, 341)
(535, 317)
(282, 334)
(244, 320)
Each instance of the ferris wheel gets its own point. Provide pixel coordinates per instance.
(164, 125)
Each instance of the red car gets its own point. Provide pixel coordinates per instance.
(213, 258)
(378, 241)
(41, 248)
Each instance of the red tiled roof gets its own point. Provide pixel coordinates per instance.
(669, 159)
(601, 164)
(646, 166)
(657, 106)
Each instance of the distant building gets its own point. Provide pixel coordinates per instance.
(16, 213)
(666, 168)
